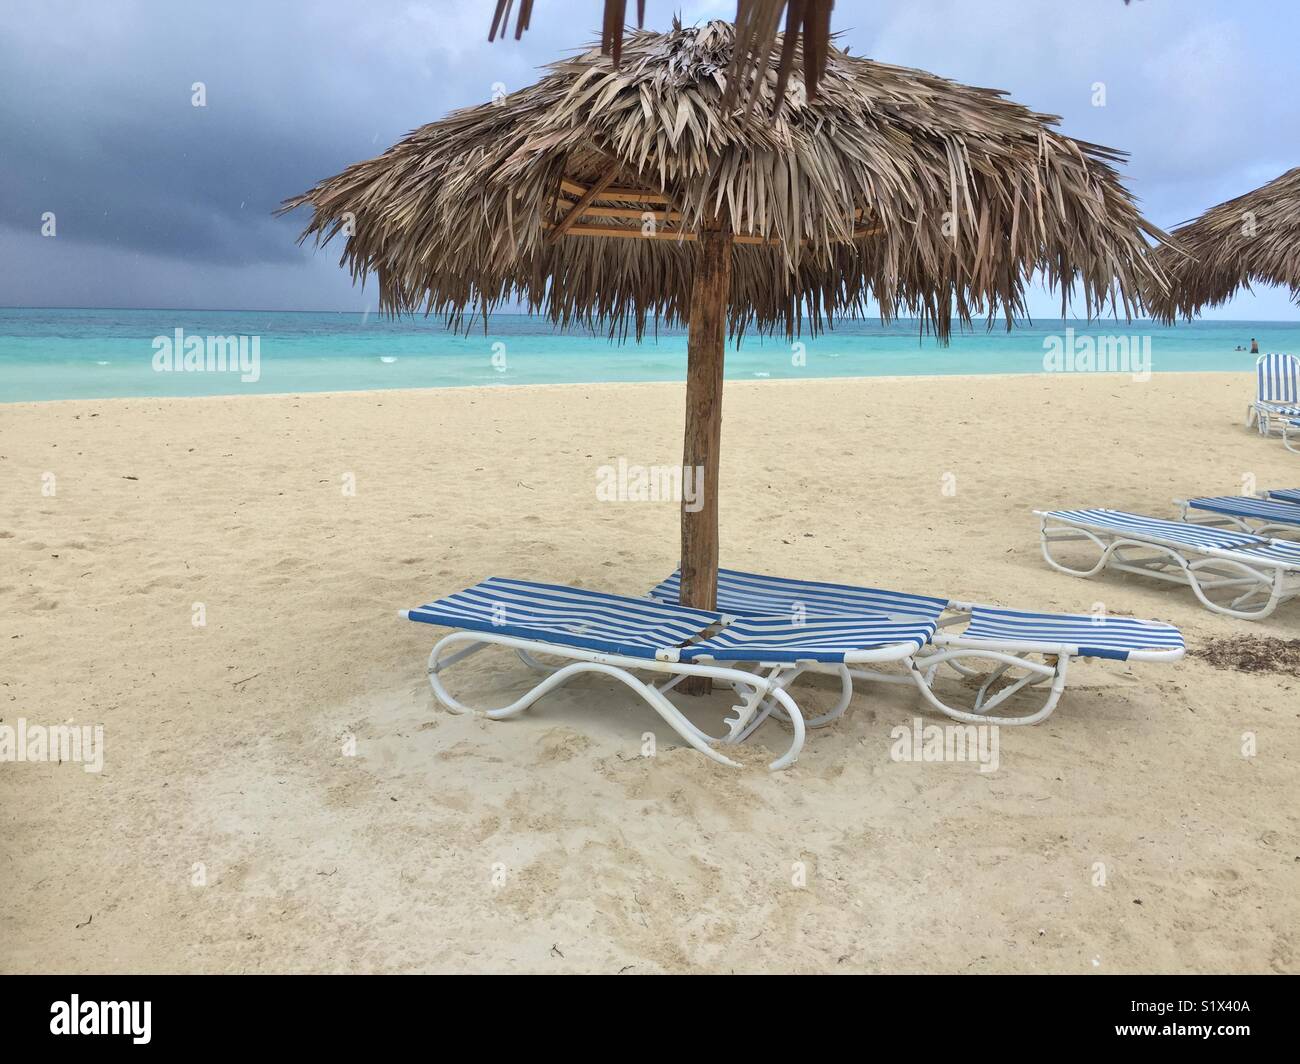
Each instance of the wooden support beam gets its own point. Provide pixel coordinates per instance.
(635, 194)
(705, 349)
(623, 233)
(676, 234)
(642, 196)
(584, 201)
(624, 212)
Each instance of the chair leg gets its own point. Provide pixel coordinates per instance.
(1268, 585)
(923, 672)
(1064, 534)
(762, 690)
(1287, 430)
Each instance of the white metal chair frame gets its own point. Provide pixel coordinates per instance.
(920, 670)
(997, 656)
(760, 695)
(955, 651)
(1215, 570)
(1290, 428)
(1270, 417)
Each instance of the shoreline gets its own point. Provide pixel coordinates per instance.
(548, 385)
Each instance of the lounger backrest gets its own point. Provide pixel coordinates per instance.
(1139, 526)
(1090, 635)
(744, 594)
(1281, 552)
(827, 639)
(568, 616)
(1278, 378)
(1273, 511)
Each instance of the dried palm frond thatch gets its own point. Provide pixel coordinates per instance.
(1253, 239)
(756, 20)
(893, 185)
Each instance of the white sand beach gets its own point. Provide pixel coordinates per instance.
(229, 832)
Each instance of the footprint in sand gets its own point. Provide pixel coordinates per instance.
(560, 744)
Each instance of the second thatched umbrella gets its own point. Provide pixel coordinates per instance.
(619, 197)
(1253, 239)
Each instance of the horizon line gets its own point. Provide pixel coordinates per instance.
(524, 314)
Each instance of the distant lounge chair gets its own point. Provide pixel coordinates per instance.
(1284, 495)
(1244, 565)
(1261, 517)
(1291, 427)
(1277, 394)
(964, 634)
(617, 636)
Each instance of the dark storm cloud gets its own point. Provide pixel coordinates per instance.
(159, 200)
(96, 108)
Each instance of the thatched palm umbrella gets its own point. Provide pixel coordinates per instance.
(620, 197)
(1253, 239)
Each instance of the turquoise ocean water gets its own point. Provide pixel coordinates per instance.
(81, 354)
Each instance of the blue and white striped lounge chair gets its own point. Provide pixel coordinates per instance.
(966, 635)
(1253, 573)
(1284, 495)
(1277, 392)
(1262, 517)
(618, 636)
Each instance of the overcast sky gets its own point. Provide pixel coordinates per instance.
(163, 204)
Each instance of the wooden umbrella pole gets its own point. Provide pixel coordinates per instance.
(705, 348)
